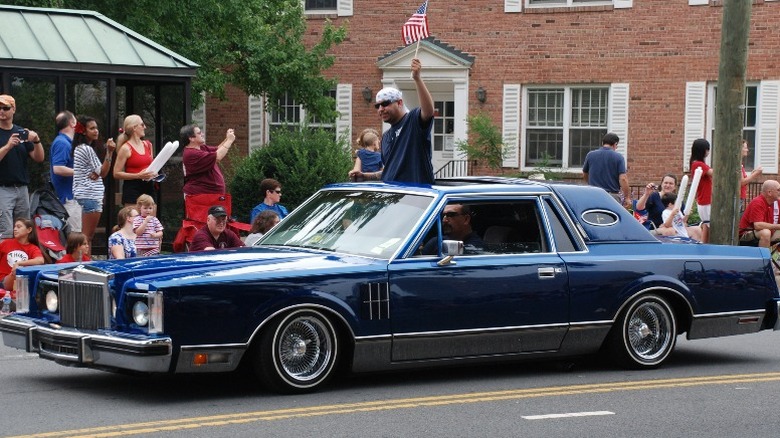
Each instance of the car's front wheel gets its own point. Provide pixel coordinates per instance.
(645, 333)
(298, 352)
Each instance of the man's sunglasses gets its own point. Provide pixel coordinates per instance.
(451, 214)
(5, 108)
(383, 104)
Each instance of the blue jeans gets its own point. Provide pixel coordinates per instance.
(90, 205)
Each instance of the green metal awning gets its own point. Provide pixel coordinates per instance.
(84, 41)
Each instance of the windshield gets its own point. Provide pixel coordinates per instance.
(366, 223)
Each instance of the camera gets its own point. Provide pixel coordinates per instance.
(23, 134)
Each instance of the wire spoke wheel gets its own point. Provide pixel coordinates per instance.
(305, 346)
(648, 331)
(298, 353)
(645, 333)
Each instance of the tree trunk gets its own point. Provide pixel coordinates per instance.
(729, 121)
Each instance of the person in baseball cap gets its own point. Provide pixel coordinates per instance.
(19, 145)
(215, 235)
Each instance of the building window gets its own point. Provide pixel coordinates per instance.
(320, 5)
(443, 125)
(567, 2)
(570, 116)
(292, 116)
(750, 121)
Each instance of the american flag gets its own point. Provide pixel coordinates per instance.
(416, 27)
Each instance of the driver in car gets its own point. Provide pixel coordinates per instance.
(456, 225)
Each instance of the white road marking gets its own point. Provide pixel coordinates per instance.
(571, 414)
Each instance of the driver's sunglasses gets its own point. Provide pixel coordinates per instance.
(451, 214)
(383, 104)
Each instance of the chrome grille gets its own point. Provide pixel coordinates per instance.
(84, 302)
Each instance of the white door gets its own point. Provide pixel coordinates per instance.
(443, 133)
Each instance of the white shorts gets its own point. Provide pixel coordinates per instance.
(704, 213)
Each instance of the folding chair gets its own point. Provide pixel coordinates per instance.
(196, 210)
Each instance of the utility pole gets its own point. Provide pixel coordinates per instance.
(729, 121)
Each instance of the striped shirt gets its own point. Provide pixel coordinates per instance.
(86, 161)
(145, 243)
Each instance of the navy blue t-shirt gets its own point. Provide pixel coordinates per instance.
(406, 151)
(604, 166)
(13, 167)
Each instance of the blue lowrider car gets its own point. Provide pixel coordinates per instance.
(343, 283)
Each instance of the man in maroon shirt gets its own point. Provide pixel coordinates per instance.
(215, 234)
(758, 221)
(201, 162)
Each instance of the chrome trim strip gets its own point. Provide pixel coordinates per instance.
(480, 330)
(719, 314)
(206, 346)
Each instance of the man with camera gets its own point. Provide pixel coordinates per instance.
(16, 145)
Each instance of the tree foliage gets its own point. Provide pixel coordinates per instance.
(257, 45)
(485, 142)
(302, 160)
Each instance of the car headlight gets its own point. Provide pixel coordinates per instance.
(52, 301)
(141, 313)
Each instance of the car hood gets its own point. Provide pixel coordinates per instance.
(229, 266)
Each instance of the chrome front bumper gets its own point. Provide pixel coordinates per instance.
(88, 349)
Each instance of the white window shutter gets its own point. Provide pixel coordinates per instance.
(695, 110)
(344, 8)
(621, 4)
(698, 2)
(255, 122)
(513, 5)
(344, 107)
(618, 116)
(768, 119)
(511, 124)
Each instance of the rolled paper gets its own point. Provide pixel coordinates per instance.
(165, 154)
(692, 192)
(681, 192)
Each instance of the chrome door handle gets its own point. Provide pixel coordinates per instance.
(548, 272)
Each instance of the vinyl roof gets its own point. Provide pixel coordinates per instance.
(86, 41)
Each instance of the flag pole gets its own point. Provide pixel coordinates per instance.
(415, 56)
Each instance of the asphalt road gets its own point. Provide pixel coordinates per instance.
(725, 387)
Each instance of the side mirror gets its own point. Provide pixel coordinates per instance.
(452, 247)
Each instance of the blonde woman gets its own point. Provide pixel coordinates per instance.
(134, 155)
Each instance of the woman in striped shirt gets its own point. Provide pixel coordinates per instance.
(88, 173)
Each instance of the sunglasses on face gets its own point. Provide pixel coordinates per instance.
(383, 104)
(5, 108)
(450, 214)
(278, 192)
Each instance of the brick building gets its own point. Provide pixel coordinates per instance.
(553, 74)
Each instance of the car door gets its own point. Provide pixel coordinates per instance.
(497, 302)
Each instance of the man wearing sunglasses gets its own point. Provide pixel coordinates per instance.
(272, 192)
(406, 146)
(17, 144)
(456, 225)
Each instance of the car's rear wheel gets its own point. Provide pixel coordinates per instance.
(645, 333)
(298, 352)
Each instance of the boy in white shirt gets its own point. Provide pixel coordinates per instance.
(672, 216)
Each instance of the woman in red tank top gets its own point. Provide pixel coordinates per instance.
(134, 155)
